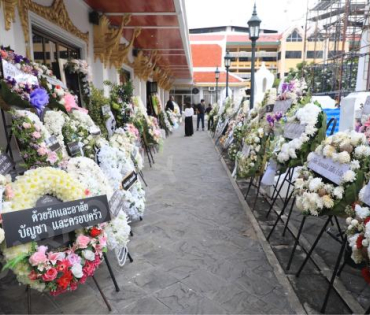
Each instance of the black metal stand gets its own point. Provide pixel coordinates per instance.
(131, 234)
(296, 242)
(129, 257)
(279, 190)
(111, 272)
(314, 245)
(102, 294)
(335, 271)
(29, 300)
(141, 174)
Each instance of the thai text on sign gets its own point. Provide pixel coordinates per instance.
(293, 130)
(282, 106)
(40, 223)
(10, 70)
(327, 168)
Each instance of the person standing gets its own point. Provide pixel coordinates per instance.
(189, 113)
(200, 114)
(170, 104)
(210, 119)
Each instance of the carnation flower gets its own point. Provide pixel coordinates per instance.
(328, 202)
(315, 184)
(349, 176)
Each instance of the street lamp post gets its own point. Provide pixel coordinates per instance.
(254, 32)
(217, 76)
(227, 60)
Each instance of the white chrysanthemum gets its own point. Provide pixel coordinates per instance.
(299, 183)
(344, 157)
(315, 184)
(362, 212)
(328, 201)
(355, 165)
(349, 176)
(338, 192)
(328, 151)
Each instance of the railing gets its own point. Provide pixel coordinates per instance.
(259, 54)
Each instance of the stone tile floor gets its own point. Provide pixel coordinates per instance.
(195, 252)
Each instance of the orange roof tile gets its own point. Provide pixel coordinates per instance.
(206, 55)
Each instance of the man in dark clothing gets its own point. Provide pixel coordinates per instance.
(210, 119)
(170, 104)
(201, 108)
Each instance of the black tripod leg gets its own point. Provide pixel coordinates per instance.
(129, 257)
(279, 216)
(141, 218)
(313, 246)
(290, 213)
(131, 234)
(29, 300)
(277, 194)
(296, 242)
(249, 187)
(258, 192)
(323, 308)
(142, 177)
(102, 294)
(111, 272)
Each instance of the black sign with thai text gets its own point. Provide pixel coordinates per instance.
(6, 164)
(74, 148)
(44, 222)
(52, 143)
(129, 180)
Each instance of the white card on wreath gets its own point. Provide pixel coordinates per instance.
(246, 150)
(327, 168)
(282, 106)
(293, 130)
(366, 197)
(10, 70)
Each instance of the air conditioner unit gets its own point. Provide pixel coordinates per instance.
(211, 89)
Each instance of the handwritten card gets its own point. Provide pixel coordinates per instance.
(327, 168)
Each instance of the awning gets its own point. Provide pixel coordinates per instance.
(163, 28)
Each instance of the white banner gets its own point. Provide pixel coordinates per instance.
(10, 70)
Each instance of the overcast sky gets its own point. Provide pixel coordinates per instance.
(275, 14)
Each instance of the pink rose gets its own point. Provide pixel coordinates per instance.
(52, 157)
(42, 150)
(82, 241)
(36, 135)
(70, 102)
(50, 275)
(38, 258)
(26, 125)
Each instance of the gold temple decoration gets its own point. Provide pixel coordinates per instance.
(120, 54)
(144, 65)
(9, 12)
(107, 39)
(56, 13)
(163, 78)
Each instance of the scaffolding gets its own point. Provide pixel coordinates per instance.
(339, 25)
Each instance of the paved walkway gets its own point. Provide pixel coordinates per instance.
(195, 252)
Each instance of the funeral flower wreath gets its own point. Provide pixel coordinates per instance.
(91, 176)
(316, 195)
(293, 152)
(61, 270)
